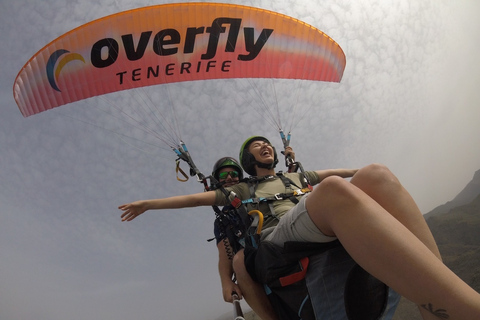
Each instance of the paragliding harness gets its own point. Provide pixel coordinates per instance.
(242, 227)
(283, 278)
(236, 224)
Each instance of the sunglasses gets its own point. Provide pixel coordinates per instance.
(224, 175)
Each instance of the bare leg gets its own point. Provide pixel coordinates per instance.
(383, 187)
(387, 249)
(252, 291)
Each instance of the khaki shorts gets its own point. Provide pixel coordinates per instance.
(295, 225)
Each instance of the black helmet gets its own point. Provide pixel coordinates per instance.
(227, 162)
(248, 160)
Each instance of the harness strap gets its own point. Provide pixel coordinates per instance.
(239, 207)
(292, 196)
(288, 183)
(278, 196)
(305, 178)
(297, 276)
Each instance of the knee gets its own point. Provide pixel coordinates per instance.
(332, 199)
(333, 187)
(374, 175)
(375, 169)
(332, 192)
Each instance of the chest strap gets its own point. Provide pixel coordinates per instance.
(278, 196)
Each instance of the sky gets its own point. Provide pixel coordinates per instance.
(409, 98)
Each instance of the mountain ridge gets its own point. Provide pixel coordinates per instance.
(468, 194)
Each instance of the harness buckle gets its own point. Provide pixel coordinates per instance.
(236, 202)
(278, 196)
(298, 192)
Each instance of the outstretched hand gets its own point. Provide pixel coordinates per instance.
(228, 289)
(132, 210)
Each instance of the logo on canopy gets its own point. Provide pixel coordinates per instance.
(54, 69)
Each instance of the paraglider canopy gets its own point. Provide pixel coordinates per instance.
(172, 43)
